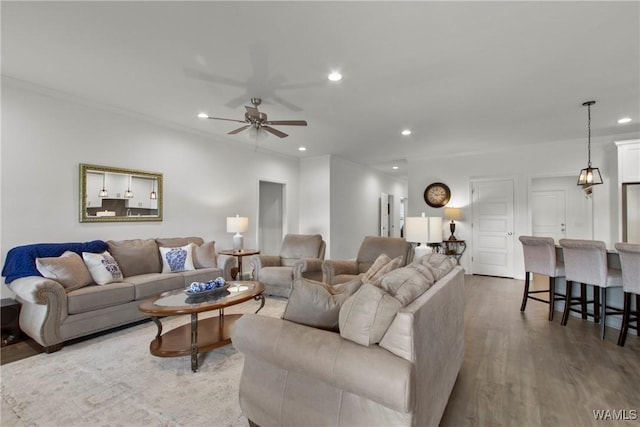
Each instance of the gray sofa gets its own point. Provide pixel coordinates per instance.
(295, 374)
(51, 314)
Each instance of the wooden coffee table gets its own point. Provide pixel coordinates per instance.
(197, 336)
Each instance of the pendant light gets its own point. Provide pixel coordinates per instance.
(128, 194)
(153, 195)
(589, 176)
(103, 193)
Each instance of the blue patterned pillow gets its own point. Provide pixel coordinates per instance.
(177, 259)
(103, 267)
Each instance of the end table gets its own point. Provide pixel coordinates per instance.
(239, 255)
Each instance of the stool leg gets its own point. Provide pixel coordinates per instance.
(583, 300)
(626, 313)
(552, 296)
(596, 304)
(525, 297)
(567, 304)
(603, 309)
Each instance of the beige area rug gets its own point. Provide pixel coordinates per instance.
(113, 380)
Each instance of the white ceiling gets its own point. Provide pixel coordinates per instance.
(464, 76)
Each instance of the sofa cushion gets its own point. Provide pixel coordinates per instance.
(175, 260)
(137, 256)
(204, 255)
(147, 285)
(317, 304)
(381, 266)
(367, 314)
(92, 298)
(174, 242)
(68, 269)
(407, 283)
(103, 267)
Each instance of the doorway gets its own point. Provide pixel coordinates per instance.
(559, 208)
(270, 216)
(492, 212)
(386, 215)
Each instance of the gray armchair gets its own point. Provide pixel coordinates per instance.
(301, 255)
(339, 271)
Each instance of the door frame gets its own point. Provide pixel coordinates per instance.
(530, 180)
(473, 180)
(285, 211)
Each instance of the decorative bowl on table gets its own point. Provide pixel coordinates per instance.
(198, 289)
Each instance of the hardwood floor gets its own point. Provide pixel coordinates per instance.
(522, 370)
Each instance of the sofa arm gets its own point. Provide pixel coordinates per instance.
(44, 308)
(370, 372)
(332, 268)
(261, 261)
(306, 265)
(225, 263)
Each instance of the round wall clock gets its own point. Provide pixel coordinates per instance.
(437, 195)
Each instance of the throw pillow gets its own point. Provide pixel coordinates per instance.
(177, 259)
(317, 304)
(367, 314)
(68, 269)
(407, 283)
(103, 267)
(439, 264)
(381, 266)
(204, 256)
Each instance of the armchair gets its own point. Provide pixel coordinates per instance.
(301, 255)
(339, 271)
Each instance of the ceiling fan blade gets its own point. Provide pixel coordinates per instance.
(276, 132)
(287, 122)
(252, 112)
(229, 120)
(240, 129)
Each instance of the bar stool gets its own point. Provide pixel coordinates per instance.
(586, 263)
(540, 258)
(630, 261)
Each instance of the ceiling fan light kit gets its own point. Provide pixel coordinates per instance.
(257, 122)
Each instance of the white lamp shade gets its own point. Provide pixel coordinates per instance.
(420, 229)
(237, 224)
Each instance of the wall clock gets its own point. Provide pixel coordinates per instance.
(437, 195)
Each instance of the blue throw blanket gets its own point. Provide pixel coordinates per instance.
(21, 260)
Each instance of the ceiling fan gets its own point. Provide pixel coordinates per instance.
(258, 120)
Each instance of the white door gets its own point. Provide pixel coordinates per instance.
(548, 214)
(492, 228)
(385, 229)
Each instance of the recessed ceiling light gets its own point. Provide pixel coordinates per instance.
(335, 76)
(406, 132)
(394, 168)
(302, 148)
(624, 120)
(203, 115)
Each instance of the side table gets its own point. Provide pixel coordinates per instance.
(10, 315)
(454, 248)
(239, 255)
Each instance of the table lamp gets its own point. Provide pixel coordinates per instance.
(453, 214)
(425, 231)
(237, 224)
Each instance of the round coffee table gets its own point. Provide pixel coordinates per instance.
(197, 336)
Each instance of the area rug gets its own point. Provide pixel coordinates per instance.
(113, 380)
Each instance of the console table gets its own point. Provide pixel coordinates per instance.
(454, 248)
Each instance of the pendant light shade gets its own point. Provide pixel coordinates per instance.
(128, 194)
(589, 176)
(153, 195)
(103, 193)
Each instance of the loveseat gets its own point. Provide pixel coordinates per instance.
(69, 303)
(393, 362)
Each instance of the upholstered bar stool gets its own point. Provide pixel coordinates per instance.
(585, 262)
(630, 261)
(540, 258)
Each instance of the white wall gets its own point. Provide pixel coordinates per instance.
(520, 163)
(341, 200)
(44, 138)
